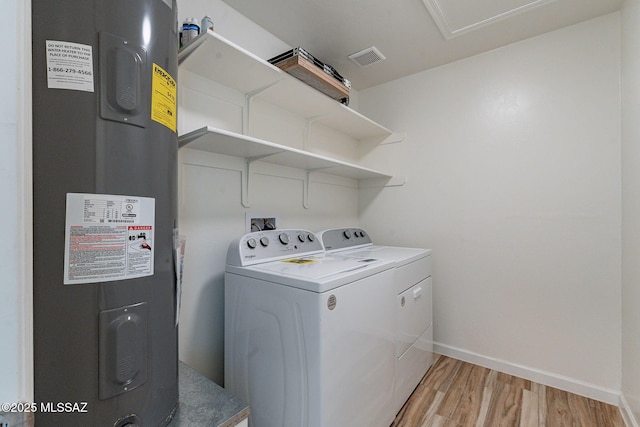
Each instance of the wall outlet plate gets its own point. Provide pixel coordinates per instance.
(258, 222)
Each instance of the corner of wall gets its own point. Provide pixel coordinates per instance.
(24, 205)
(627, 413)
(630, 132)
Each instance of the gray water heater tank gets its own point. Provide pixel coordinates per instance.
(104, 212)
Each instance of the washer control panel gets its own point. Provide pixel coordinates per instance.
(343, 238)
(268, 245)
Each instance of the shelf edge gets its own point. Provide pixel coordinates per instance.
(185, 139)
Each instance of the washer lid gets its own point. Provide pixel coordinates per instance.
(318, 273)
(317, 267)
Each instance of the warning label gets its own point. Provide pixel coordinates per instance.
(163, 98)
(108, 238)
(96, 252)
(139, 250)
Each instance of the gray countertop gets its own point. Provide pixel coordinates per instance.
(203, 403)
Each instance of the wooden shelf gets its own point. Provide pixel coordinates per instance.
(215, 58)
(232, 144)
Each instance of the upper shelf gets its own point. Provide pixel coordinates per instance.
(215, 58)
(232, 144)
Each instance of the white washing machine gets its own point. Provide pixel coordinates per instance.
(309, 336)
(412, 295)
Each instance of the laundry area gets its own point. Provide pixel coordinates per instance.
(384, 213)
(505, 164)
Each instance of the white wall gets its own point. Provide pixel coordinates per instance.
(513, 173)
(631, 206)
(15, 290)
(210, 210)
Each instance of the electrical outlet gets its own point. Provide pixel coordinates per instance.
(260, 222)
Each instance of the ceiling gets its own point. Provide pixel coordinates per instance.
(413, 35)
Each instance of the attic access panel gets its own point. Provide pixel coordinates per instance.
(457, 17)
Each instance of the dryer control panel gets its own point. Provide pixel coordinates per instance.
(343, 238)
(271, 245)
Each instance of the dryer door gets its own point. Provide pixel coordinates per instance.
(414, 314)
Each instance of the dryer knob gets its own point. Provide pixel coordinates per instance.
(346, 234)
(252, 243)
(284, 239)
(264, 241)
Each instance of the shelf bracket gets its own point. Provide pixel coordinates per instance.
(394, 138)
(371, 143)
(248, 99)
(394, 181)
(307, 130)
(246, 177)
(307, 185)
(305, 190)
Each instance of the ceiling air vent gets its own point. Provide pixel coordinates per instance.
(367, 57)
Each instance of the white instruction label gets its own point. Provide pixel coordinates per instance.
(69, 66)
(108, 237)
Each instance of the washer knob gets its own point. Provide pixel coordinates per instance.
(310, 237)
(264, 241)
(284, 238)
(252, 243)
(346, 234)
(301, 238)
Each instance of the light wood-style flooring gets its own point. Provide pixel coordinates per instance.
(459, 394)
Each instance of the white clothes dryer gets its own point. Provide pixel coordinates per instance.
(309, 336)
(412, 286)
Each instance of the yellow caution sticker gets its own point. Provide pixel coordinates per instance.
(164, 105)
(299, 260)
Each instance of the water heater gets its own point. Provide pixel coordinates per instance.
(104, 212)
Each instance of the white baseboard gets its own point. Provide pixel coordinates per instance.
(627, 413)
(561, 382)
